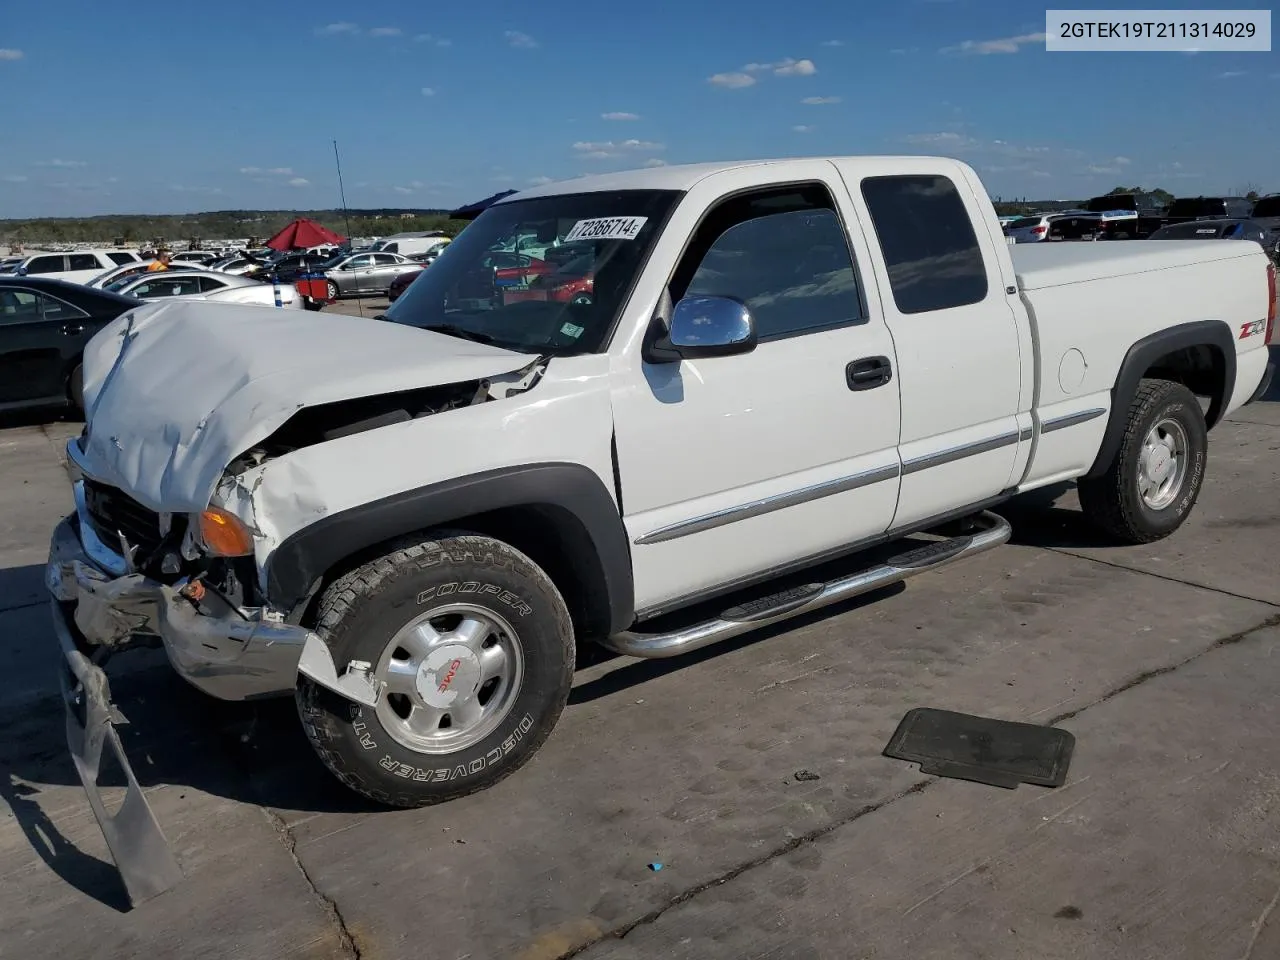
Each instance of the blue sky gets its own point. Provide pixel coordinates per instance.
(439, 104)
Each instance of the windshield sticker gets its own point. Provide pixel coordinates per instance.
(606, 228)
(572, 330)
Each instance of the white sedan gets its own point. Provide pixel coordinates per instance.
(204, 285)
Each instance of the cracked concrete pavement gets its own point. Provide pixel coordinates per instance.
(1163, 843)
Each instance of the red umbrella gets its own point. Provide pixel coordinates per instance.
(303, 233)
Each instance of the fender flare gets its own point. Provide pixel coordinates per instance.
(572, 492)
(1199, 333)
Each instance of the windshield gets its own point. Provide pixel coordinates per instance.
(1023, 222)
(1197, 207)
(501, 280)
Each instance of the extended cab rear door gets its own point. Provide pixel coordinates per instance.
(959, 340)
(733, 467)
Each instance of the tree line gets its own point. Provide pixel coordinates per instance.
(178, 229)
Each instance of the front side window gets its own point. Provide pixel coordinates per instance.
(50, 264)
(482, 285)
(783, 253)
(928, 242)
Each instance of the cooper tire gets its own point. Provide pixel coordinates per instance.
(372, 750)
(1114, 502)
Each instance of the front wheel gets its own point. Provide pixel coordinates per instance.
(1148, 490)
(331, 289)
(476, 650)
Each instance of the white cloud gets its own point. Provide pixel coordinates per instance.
(299, 182)
(334, 29)
(795, 68)
(14, 178)
(832, 43)
(403, 189)
(272, 171)
(604, 149)
(1098, 169)
(1041, 174)
(515, 38)
(8, 53)
(431, 38)
(416, 184)
(731, 81)
(786, 67)
(903, 51)
(1231, 74)
(655, 162)
(802, 128)
(619, 115)
(385, 32)
(503, 178)
(428, 91)
(61, 164)
(1002, 45)
(177, 188)
(1121, 161)
(539, 181)
(820, 100)
(948, 138)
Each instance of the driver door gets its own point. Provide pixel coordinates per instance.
(733, 468)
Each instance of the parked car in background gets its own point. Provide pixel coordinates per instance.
(196, 257)
(77, 267)
(1032, 229)
(1266, 213)
(407, 244)
(400, 284)
(105, 279)
(428, 258)
(1233, 228)
(44, 326)
(237, 265)
(9, 264)
(195, 284)
(571, 283)
(1186, 209)
(1125, 216)
(365, 274)
(287, 267)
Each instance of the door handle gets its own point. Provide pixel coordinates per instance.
(868, 372)
(71, 329)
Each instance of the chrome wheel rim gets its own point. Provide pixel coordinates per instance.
(332, 290)
(452, 675)
(1162, 464)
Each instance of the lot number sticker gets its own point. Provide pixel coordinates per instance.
(606, 228)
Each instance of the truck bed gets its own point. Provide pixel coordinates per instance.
(1041, 265)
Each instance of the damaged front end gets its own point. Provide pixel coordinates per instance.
(122, 575)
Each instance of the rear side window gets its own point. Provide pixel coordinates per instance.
(120, 259)
(1267, 207)
(928, 242)
(52, 264)
(84, 261)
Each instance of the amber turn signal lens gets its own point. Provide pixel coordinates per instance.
(223, 534)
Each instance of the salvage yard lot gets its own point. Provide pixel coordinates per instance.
(1163, 843)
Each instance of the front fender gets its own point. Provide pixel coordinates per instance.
(573, 493)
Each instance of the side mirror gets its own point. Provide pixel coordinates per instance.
(22, 271)
(705, 327)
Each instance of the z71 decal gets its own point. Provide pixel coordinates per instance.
(1250, 329)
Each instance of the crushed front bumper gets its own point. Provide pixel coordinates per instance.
(232, 654)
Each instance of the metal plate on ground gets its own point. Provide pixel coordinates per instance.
(1000, 753)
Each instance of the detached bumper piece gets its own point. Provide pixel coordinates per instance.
(229, 653)
(137, 844)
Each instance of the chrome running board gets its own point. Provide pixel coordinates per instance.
(992, 531)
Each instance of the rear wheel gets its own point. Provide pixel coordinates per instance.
(475, 647)
(1151, 485)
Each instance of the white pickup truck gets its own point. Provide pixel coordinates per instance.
(411, 522)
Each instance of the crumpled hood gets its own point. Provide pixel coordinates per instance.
(174, 391)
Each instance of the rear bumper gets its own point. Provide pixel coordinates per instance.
(1264, 385)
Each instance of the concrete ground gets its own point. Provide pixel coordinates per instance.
(1163, 844)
